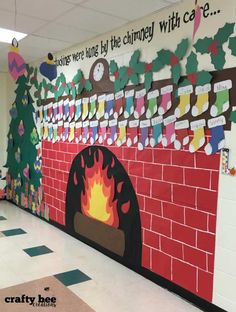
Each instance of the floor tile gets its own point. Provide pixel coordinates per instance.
(13, 232)
(72, 277)
(37, 251)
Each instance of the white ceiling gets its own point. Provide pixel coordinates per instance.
(53, 25)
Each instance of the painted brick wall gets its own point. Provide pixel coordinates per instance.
(177, 193)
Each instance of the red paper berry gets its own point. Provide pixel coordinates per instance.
(213, 48)
(72, 84)
(192, 78)
(63, 84)
(116, 74)
(148, 67)
(129, 71)
(83, 81)
(174, 60)
(55, 88)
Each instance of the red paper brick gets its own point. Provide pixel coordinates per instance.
(52, 213)
(173, 174)
(60, 156)
(195, 257)
(196, 219)
(143, 186)
(184, 195)
(184, 275)
(161, 190)
(184, 234)
(145, 155)
(210, 262)
(145, 220)
(197, 177)
(207, 201)
(215, 180)
(61, 217)
(160, 225)
(162, 156)
(129, 153)
(136, 168)
(161, 264)
(212, 224)
(205, 285)
(153, 171)
(208, 162)
(171, 247)
(151, 239)
(183, 159)
(146, 263)
(173, 212)
(141, 202)
(206, 241)
(153, 206)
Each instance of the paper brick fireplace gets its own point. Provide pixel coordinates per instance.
(177, 197)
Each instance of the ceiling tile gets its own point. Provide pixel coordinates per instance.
(43, 9)
(86, 19)
(75, 1)
(65, 33)
(8, 5)
(130, 10)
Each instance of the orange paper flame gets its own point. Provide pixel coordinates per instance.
(97, 200)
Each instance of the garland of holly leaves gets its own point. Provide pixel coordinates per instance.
(125, 74)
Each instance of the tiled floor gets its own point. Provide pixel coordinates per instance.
(102, 283)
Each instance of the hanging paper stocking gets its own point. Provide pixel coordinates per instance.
(72, 132)
(198, 135)
(50, 132)
(113, 133)
(182, 134)
(152, 103)
(60, 130)
(55, 134)
(217, 141)
(140, 103)
(103, 131)
(93, 102)
(78, 131)
(50, 112)
(101, 106)
(169, 136)
(55, 112)
(41, 113)
(109, 106)
(184, 94)
(129, 103)
(45, 130)
(65, 132)
(144, 140)
(60, 110)
(94, 127)
(66, 109)
(222, 97)
(122, 133)
(156, 131)
(78, 110)
(85, 134)
(85, 111)
(71, 110)
(119, 103)
(133, 133)
(45, 113)
(166, 102)
(202, 104)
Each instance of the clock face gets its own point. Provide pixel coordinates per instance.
(98, 72)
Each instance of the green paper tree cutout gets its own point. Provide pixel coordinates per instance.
(21, 151)
(214, 46)
(173, 59)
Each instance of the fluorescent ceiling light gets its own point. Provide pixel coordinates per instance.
(7, 35)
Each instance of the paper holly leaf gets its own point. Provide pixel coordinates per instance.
(218, 60)
(192, 64)
(182, 48)
(202, 45)
(113, 67)
(134, 58)
(88, 85)
(157, 65)
(224, 33)
(203, 78)
(78, 76)
(176, 73)
(148, 81)
(117, 85)
(73, 92)
(233, 116)
(232, 45)
(164, 56)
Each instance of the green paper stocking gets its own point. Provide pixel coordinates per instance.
(222, 103)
